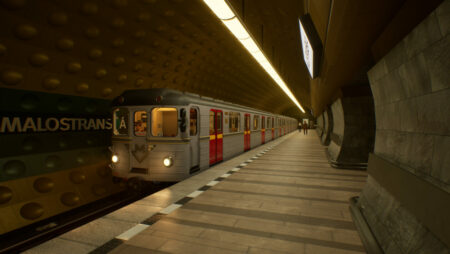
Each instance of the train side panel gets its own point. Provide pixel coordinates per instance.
(255, 138)
(233, 144)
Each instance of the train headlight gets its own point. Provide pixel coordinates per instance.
(168, 161)
(115, 158)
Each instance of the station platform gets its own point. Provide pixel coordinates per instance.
(281, 197)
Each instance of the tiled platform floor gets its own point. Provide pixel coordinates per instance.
(94, 236)
(289, 200)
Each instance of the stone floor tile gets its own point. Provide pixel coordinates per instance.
(174, 246)
(315, 249)
(125, 248)
(346, 236)
(133, 213)
(169, 226)
(204, 217)
(222, 216)
(323, 213)
(254, 250)
(330, 205)
(297, 230)
(58, 245)
(147, 241)
(254, 241)
(196, 240)
(227, 202)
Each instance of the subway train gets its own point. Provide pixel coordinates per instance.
(163, 135)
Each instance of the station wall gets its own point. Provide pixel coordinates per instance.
(407, 197)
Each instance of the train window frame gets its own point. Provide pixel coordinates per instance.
(143, 132)
(255, 122)
(190, 122)
(175, 123)
(234, 122)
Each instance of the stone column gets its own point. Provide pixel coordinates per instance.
(353, 132)
(327, 127)
(320, 127)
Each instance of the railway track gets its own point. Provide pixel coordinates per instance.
(27, 237)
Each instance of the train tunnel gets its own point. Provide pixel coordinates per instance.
(369, 79)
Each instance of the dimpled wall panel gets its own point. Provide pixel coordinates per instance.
(61, 63)
(49, 169)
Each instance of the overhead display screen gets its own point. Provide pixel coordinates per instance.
(308, 52)
(311, 45)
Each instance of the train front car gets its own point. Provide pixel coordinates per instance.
(150, 138)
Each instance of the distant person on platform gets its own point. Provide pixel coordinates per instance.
(305, 128)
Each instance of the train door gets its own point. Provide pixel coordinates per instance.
(247, 132)
(273, 128)
(215, 136)
(194, 135)
(263, 129)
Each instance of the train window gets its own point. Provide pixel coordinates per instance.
(219, 122)
(263, 123)
(120, 121)
(255, 122)
(212, 123)
(193, 122)
(164, 122)
(273, 123)
(234, 121)
(140, 123)
(268, 122)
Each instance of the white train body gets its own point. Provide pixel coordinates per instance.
(165, 135)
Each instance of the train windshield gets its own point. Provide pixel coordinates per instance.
(164, 122)
(120, 121)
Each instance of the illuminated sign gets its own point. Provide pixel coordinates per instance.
(18, 124)
(311, 45)
(120, 119)
(307, 50)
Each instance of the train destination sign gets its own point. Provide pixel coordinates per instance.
(17, 124)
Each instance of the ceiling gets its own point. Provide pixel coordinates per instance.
(101, 48)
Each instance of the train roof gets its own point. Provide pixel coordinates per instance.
(166, 96)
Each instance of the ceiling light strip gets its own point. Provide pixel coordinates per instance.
(224, 12)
